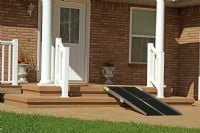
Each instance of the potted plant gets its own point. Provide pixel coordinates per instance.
(23, 65)
(108, 70)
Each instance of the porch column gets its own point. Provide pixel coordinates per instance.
(160, 18)
(46, 41)
(160, 21)
(199, 74)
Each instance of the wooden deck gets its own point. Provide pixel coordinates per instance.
(81, 95)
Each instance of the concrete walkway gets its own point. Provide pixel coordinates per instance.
(189, 119)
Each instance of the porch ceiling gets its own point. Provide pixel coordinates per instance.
(169, 3)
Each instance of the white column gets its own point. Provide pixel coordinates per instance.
(46, 41)
(199, 75)
(160, 18)
(160, 21)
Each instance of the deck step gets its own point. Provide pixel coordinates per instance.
(74, 90)
(33, 101)
(86, 95)
(178, 100)
(10, 89)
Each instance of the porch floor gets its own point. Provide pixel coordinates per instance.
(81, 95)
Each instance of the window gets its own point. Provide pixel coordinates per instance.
(69, 25)
(142, 31)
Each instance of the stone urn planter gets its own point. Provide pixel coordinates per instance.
(23, 70)
(108, 73)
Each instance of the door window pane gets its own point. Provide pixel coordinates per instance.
(69, 25)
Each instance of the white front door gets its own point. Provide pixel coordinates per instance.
(71, 27)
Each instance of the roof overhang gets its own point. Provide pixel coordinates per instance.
(169, 3)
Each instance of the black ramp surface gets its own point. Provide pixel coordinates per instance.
(135, 101)
(143, 101)
(161, 106)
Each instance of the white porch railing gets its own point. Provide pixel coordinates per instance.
(11, 60)
(155, 75)
(62, 67)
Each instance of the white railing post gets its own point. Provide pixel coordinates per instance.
(15, 62)
(160, 76)
(65, 72)
(56, 81)
(62, 67)
(155, 70)
(149, 65)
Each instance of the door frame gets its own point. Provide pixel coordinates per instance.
(87, 33)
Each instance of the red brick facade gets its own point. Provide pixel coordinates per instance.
(172, 22)
(182, 54)
(15, 22)
(109, 32)
(189, 53)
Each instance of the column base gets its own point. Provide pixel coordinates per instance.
(46, 83)
(64, 96)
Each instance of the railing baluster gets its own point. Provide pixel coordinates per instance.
(2, 65)
(9, 62)
(60, 63)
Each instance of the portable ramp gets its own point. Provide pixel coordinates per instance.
(141, 101)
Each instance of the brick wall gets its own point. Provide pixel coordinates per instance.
(110, 32)
(15, 22)
(189, 52)
(172, 22)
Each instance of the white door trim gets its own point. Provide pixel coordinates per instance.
(55, 4)
(39, 40)
(58, 4)
(87, 53)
